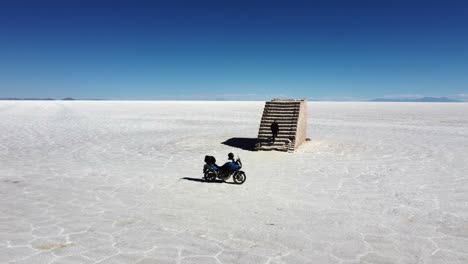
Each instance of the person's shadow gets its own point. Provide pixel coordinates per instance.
(242, 143)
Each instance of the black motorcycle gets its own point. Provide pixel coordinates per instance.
(211, 171)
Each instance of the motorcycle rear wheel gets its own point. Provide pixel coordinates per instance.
(239, 177)
(210, 176)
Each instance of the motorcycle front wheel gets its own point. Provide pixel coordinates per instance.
(210, 176)
(239, 177)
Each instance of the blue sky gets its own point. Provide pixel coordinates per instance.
(331, 50)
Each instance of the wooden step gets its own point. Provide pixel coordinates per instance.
(279, 117)
(273, 116)
(279, 121)
(279, 108)
(277, 148)
(267, 123)
(282, 107)
(282, 103)
(270, 148)
(286, 134)
(268, 138)
(270, 143)
(289, 132)
(281, 128)
(281, 112)
(283, 124)
(286, 111)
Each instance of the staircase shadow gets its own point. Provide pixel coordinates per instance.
(242, 143)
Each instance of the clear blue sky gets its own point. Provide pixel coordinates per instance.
(233, 49)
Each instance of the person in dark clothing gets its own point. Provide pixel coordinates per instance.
(274, 129)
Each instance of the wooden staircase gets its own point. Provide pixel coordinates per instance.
(287, 114)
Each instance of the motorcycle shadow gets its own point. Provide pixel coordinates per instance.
(205, 181)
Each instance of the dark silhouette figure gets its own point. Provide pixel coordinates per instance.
(274, 129)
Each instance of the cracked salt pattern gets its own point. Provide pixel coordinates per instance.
(100, 182)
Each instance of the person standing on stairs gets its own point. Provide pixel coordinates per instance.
(274, 129)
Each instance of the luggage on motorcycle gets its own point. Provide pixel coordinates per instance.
(210, 159)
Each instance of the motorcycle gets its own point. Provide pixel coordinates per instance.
(211, 171)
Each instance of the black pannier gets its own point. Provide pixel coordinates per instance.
(210, 159)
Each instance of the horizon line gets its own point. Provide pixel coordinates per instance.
(226, 100)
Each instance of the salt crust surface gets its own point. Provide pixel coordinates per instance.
(101, 182)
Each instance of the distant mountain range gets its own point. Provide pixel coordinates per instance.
(36, 99)
(28, 99)
(47, 99)
(423, 99)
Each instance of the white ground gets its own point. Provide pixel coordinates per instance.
(100, 182)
